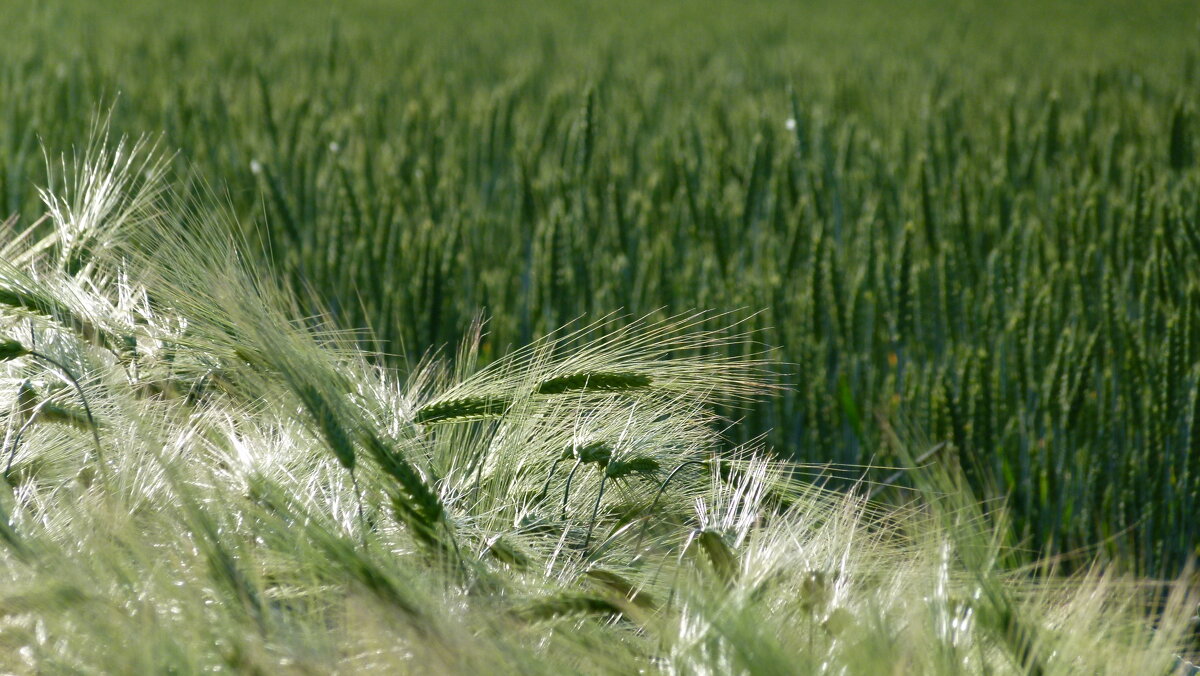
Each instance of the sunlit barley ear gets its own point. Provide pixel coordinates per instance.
(596, 452)
(566, 605)
(723, 559)
(33, 408)
(647, 467)
(506, 553)
(622, 586)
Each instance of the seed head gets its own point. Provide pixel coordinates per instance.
(463, 409)
(605, 381)
(622, 468)
(598, 452)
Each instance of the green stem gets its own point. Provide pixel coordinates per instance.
(567, 489)
(661, 489)
(595, 510)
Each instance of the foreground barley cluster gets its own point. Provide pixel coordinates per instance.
(199, 479)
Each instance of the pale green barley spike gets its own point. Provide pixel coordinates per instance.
(503, 551)
(29, 401)
(614, 582)
(598, 452)
(326, 419)
(599, 381)
(724, 561)
(15, 298)
(27, 398)
(566, 605)
(11, 349)
(463, 409)
(416, 502)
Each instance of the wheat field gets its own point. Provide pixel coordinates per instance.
(608, 338)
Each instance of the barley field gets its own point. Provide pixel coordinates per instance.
(625, 337)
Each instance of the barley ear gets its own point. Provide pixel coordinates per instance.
(567, 605)
(723, 559)
(614, 582)
(415, 502)
(597, 381)
(463, 409)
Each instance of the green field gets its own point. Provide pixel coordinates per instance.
(796, 245)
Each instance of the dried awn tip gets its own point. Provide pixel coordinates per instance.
(463, 409)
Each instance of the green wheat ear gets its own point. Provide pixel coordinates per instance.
(600, 381)
(463, 409)
(505, 552)
(723, 559)
(567, 605)
(612, 581)
(598, 452)
(622, 468)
